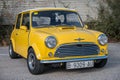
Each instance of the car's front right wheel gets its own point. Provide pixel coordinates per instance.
(34, 65)
(100, 63)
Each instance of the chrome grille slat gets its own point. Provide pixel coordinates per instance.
(77, 50)
(73, 52)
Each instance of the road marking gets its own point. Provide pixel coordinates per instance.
(3, 54)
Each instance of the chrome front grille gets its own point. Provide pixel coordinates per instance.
(77, 50)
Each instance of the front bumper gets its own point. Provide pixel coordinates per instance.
(73, 59)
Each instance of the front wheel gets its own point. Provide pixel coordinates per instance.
(34, 65)
(100, 63)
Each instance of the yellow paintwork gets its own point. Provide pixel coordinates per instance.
(35, 38)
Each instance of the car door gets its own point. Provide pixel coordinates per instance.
(18, 24)
(22, 35)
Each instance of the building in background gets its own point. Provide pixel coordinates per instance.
(9, 8)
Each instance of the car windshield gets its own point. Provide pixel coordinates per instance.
(55, 18)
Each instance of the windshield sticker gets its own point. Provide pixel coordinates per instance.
(35, 13)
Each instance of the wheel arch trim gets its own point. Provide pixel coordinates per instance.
(12, 41)
(36, 50)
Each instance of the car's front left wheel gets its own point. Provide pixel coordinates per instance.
(34, 65)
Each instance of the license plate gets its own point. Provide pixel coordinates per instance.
(80, 64)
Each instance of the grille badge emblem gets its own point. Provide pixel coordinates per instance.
(79, 39)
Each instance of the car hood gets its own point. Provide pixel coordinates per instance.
(70, 34)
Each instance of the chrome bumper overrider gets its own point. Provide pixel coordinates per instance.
(74, 59)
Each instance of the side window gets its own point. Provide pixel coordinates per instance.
(25, 20)
(18, 22)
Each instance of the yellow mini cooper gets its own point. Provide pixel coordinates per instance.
(56, 37)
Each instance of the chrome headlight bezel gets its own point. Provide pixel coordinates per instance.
(102, 39)
(51, 42)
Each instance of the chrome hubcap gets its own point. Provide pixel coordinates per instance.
(31, 61)
(10, 50)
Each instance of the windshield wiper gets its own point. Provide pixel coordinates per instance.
(63, 25)
(46, 25)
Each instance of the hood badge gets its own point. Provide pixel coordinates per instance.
(79, 39)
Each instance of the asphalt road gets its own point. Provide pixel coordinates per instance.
(16, 69)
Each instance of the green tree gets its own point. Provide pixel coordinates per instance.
(108, 19)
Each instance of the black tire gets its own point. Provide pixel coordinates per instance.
(34, 65)
(12, 54)
(100, 63)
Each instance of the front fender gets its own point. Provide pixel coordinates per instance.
(36, 51)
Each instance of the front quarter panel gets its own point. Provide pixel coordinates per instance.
(36, 41)
(102, 47)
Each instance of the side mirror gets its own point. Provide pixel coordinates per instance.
(23, 27)
(85, 26)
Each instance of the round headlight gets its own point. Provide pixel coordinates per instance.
(102, 39)
(51, 42)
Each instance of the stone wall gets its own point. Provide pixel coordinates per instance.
(9, 8)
